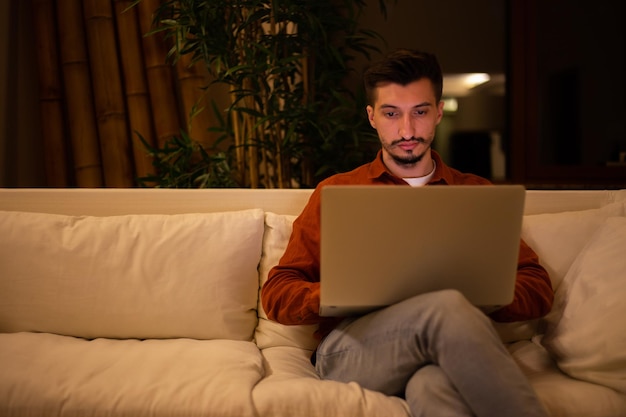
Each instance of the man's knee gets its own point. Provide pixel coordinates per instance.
(429, 379)
(430, 392)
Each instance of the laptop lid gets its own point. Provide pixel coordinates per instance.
(383, 244)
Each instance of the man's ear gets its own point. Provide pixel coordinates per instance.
(370, 116)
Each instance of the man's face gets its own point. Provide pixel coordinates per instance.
(405, 118)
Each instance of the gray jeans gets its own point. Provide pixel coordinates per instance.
(437, 351)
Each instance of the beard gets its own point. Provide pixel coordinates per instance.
(407, 158)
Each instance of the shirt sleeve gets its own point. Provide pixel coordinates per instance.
(291, 294)
(533, 290)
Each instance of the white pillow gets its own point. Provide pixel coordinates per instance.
(587, 335)
(135, 276)
(558, 238)
(270, 333)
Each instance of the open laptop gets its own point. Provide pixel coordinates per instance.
(383, 244)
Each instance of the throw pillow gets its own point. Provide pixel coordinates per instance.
(587, 337)
(558, 238)
(270, 333)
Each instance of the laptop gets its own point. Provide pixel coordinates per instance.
(383, 244)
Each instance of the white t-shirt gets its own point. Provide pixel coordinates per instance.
(420, 181)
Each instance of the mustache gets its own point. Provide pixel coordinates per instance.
(413, 139)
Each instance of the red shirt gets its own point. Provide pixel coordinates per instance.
(292, 293)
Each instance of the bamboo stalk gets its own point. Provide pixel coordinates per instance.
(77, 81)
(50, 94)
(273, 146)
(268, 170)
(108, 96)
(135, 85)
(245, 124)
(304, 64)
(239, 143)
(240, 120)
(192, 79)
(273, 177)
(253, 156)
(256, 134)
(252, 141)
(278, 159)
(159, 75)
(264, 165)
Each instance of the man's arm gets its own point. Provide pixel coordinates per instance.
(291, 294)
(533, 290)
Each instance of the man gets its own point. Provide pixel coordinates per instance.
(436, 350)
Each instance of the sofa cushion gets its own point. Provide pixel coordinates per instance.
(133, 276)
(586, 332)
(560, 394)
(51, 375)
(270, 333)
(291, 388)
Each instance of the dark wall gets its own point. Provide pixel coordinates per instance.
(466, 36)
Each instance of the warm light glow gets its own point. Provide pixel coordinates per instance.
(460, 85)
(450, 105)
(473, 80)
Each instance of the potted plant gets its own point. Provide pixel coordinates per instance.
(291, 120)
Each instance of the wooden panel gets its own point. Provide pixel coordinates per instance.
(565, 94)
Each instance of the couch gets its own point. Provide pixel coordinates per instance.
(145, 302)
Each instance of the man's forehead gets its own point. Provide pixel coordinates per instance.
(422, 88)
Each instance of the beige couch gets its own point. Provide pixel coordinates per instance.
(144, 302)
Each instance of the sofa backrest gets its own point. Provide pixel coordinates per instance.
(109, 202)
(196, 267)
(118, 201)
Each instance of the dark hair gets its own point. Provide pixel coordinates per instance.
(403, 66)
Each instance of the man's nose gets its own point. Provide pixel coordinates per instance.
(406, 128)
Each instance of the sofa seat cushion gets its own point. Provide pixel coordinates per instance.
(292, 388)
(134, 276)
(562, 395)
(50, 375)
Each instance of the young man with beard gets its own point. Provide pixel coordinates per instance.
(436, 350)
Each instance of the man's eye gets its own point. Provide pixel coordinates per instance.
(420, 112)
(390, 113)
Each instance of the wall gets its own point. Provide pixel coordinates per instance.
(466, 36)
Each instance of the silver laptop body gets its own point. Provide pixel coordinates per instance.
(383, 244)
